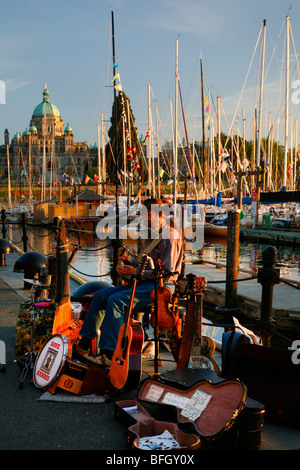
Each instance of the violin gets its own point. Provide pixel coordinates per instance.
(165, 314)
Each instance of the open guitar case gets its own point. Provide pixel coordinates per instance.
(200, 404)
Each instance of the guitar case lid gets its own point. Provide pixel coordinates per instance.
(185, 378)
(208, 409)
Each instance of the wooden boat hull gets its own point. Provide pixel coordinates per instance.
(215, 230)
(81, 224)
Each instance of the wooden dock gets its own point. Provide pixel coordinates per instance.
(286, 305)
(271, 236)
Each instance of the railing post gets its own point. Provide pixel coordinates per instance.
(231, 307)
(268, 276)
(24, 229)
(62, 279)
(232, 258)
(3, 217)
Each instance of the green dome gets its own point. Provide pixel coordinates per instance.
(25, 133)
(68, 128)
(32, 128)
(46, 107)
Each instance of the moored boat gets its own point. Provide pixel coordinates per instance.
(215, 230)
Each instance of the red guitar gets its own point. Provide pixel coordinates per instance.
(126, 363)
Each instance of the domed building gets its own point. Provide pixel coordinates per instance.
(48, 144)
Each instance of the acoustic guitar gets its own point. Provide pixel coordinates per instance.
(126, 363)
(196, 350)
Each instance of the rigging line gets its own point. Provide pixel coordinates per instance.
(257, 90)
(164, 135)
(295, 52)
(245, 82)
(294, 49)
(185, 157)
(103, 87)
(112, 154)
(274, 48)
(194, 74)
(74, 164)
(188, 111)
(186, 131)
(142, 153)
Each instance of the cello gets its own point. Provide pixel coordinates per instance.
(164, 316)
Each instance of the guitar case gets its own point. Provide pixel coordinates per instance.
(141, 424)
(246, 431)
(205, 408)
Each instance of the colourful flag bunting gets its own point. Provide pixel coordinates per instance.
(116, 76)
(161, 172)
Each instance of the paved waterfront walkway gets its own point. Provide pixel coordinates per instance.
(29, 424)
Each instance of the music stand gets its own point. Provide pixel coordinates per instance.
(31, 354)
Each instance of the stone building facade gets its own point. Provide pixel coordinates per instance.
(46, 148)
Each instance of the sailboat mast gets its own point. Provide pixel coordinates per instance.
(211, 139)
(295, 159)
(286, 102)
(261, 95)
(157, 148)
(8, 174)
(175, 124)
(203, 125)
(103, 156)
(116, 243)
(219, 141)
(149, 143)
(116, 149)
(99, 161)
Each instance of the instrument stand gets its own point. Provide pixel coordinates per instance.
(30, 355)
(156, 338)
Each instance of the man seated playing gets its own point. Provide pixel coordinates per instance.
(114, 300)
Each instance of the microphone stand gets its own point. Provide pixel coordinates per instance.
(156, 332)
(156, 339)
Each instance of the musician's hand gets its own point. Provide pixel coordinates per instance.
(125, 270)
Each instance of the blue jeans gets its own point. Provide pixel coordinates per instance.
(115, 301)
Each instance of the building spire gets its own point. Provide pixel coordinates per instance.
(46, 94)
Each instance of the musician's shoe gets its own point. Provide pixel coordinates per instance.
(101, 360)
(79, 351)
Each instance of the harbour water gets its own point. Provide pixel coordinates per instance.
(93, 260)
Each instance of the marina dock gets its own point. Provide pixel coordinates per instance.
(286, 307)
(31, 424)
(271, 236)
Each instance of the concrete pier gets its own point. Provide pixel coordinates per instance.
(30, 424)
